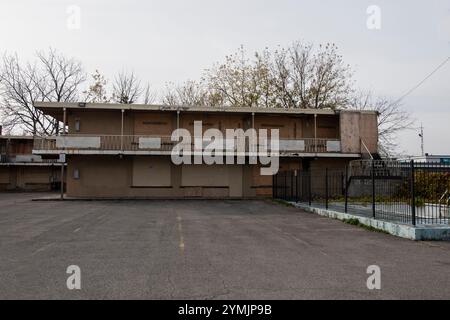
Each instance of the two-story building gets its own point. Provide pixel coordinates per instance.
(20, 170)
(124, 151)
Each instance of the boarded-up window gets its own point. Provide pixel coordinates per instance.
(205, 176)
(151, 172)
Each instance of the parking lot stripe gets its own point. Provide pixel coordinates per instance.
(180, 233)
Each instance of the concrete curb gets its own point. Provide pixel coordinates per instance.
(145, 199)
(418, 233)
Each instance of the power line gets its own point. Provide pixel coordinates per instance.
(423, 81)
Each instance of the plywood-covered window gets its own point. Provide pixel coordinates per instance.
(151, 172)
(205, 176)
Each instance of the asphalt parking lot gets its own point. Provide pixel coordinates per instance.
(196, 249)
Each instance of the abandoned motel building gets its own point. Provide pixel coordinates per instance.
(109, 151)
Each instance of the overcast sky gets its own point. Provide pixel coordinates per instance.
(164, 41)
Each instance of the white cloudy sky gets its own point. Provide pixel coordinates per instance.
(174, 40)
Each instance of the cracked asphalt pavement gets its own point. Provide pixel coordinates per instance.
(204, 249)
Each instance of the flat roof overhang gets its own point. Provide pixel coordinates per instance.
(56, 109)
(9, 137)
(169, 153)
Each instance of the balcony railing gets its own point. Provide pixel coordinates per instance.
(127, 143)
(25, 158)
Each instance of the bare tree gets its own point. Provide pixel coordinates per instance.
(126, 88)
(51, 78)
(190, 93)
(149, 95)
(309, 78)
(63, 76)
(392, 118)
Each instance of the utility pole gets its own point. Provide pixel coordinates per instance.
(421, 140)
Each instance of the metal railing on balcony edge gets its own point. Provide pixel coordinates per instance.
(132, 143)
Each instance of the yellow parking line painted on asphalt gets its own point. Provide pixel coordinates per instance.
(43, 248)
(180, 233)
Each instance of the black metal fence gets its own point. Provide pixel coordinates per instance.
(405, 192)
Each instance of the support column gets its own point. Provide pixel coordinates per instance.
(63, 155)
(253, 120)
(121, 130)
(315, 133)
(64, 120)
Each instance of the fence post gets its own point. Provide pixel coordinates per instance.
(326, 188)
(285, 186)
(62, 179)
(273, 187)
(346, 189)
(373, 190)
(292, 185)
(296, 185)
(413, 194)
(309, 188)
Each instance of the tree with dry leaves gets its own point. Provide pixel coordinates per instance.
(97, 90)
(300, 76)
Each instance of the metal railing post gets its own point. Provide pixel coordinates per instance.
(373, 190)
(273, 187)
(292, 185)
(62, 180)
(346, 189)
(413, 194)
(121, 130)
(326, 188)
(309, 188)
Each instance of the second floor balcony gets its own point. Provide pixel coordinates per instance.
(153, 145)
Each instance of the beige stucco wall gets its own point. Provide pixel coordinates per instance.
(349, 124)
(163, 123)
(28, 177)
(355, 126)
(112, 176)
(151, 172)
(4, 177)
(154, 123)
(368, 124)
(110, 124)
